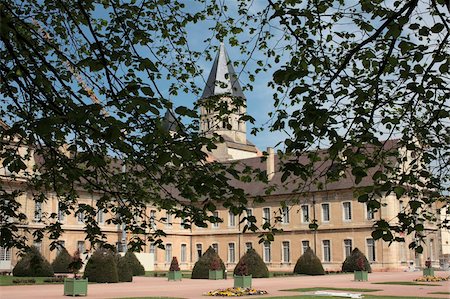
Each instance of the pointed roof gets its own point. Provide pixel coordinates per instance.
(223, 78)
(169, 122)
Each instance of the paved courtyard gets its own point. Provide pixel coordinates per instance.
(192, 289)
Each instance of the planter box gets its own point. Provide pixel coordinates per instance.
(361, 275)
(243, 281)
(174, 275)
(75, 287)
(215, 274)
(428, 272)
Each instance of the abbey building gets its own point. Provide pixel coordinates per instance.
(344, 223)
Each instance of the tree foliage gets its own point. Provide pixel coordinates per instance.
(33, 264)
(254, 265)
(356, 261)
(80, 88)
(309, 264)
(62, 261)
(102, 267)
(136, 266)
(203, 265)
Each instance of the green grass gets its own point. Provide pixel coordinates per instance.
(185, 273)
(440, 293)
(6, 280)
(149, 298)
(407, 283)
(365, 297)
(331, 289)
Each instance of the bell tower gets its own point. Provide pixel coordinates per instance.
(224, 93)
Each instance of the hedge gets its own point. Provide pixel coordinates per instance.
(201, 267)
(255, 264)
(351, 262)
(309, 264)
(33, 264)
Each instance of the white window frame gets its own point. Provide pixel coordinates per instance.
(328, 210)
(215, 246)
(267, 252)
(82, 248)
(169, 220)
(37, 211)
(216, 214)
(80, 217)
(197, 252)
(100, 216)
(168, 253)
(371, 250)
(5, 254)
(303, 246)
(325, 259)
(347, 213)
(152, 219)
(249, 213)
(346, 246)
(231, 219)
(266, 217)
(370, 213)
(286, 252)
(183, 253)
(305, 213)
(61, 214)
(285, 217)
(231, 252)
(247, 247)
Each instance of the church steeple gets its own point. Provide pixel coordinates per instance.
(223, 83)
(223, 78)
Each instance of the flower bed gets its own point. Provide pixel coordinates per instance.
(235, 292)
(431, 279)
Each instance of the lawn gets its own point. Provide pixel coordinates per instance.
(297, 297)
(332, 289)
(7, 280)
(408, 283)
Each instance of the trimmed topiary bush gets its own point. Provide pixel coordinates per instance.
(101, 267)
(309, 264)
(61, 262)
(201, 267)
(135, 265)
(351, 262)
(255, 264)
(124, 269)
(33, 264)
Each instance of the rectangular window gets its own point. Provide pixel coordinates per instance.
(215, 246)
(60, 246)
(61, 214)
(266, 215)
(267, 252)
(216, 225)
(168, 220)
(285, 215)
(371, 254)
(286, 252)
(168, 253)
(305, 245)
(80, 246)
(152, 249)
(370, 213)
(100, 218)
(5, 254)
(231, 219)
(80, 217)
(347, 247)
(249, 214)
(199, 250)
(248, 245)
(183, 253)
(152, 219)
(326, 250)
(325, 212)
(231, 253)
(431, 250)
(37, 211)
(347, 210)
(402, 252)
(305, 213)
(38, 245)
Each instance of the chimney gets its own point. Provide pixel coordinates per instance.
(270, 163)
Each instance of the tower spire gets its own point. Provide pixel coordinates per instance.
(222, 79)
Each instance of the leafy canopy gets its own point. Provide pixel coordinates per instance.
(80, 88)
